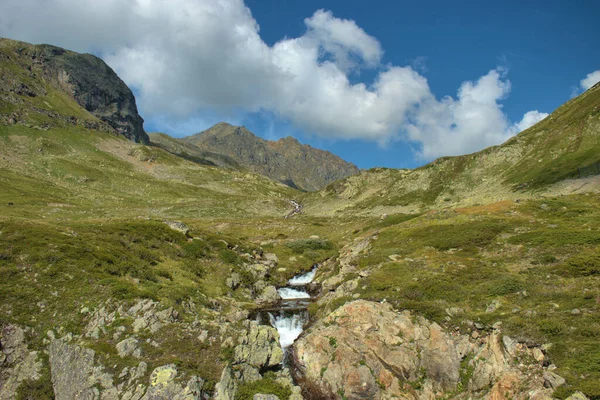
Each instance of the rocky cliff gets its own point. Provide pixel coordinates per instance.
(28, 70)
(285, 160)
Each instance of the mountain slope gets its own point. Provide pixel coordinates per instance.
(285, 160)
(190, 152)
(541, 159)
(30, 73)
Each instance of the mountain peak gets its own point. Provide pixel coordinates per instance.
(285, 160)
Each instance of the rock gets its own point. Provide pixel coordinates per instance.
(369, 351)
(364, 344)
(234, 280)
(538, 354)
(178, 226)
(17, 363)
(493, 306)
(128, 347)
(285, 160)
(74, 375)
(269, 295)
(260, 396)
(575, 311)
(258, 346)
(454, 311)
(577, 396)
(509, 344)
(163, 386)
(553, 380)
(95, 86)
(271, 257)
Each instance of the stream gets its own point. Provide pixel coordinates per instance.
(290, 318)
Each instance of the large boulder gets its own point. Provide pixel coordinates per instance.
(366, 350)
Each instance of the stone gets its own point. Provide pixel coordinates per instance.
(258, 346)
(271, 257)
(493, 306)
(575, 311)
(260, 396)
(17, 363)
(269, 295)
(538, 354)
(128, 347)
(164, 386)
(178, 226)
(577, 396)
(74, 374)
(553, 380)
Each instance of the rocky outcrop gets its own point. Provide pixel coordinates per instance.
(77, 375)
(258, 351)
(84, 77)
(74, 374)
(17, 363)
(366, 350)
(286, 160)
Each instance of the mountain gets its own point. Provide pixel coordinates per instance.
(190, 152)
(145, 272)
(543, 159)
(32, 77)
(285, 160)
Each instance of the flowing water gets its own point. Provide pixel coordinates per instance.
(289, 319)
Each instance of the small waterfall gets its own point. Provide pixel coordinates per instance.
(304, 279)
(291, 316)
(288, 293)
(289, 326)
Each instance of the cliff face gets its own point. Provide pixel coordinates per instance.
(285, 160)
(83, 77)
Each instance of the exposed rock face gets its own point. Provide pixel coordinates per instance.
(16, 362)
(258, 350)
(84, 77)
(285, 160)
(365, 350)
(75, 375)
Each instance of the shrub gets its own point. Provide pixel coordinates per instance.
(583, 264)
(247, 390)
(229, 256)
(302, 245)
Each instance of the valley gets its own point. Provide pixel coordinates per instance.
(155, 269)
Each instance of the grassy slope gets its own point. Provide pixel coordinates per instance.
(550, 151)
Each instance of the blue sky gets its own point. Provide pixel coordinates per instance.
(379, 83)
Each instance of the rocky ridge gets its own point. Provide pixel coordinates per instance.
(286, 160)
(83, 77)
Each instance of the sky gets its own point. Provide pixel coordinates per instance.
(379, 83)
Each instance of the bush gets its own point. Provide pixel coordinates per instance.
(584, 264)
(302, 245)
(229, 256)
(247, 390)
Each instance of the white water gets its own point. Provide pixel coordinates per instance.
(289, 327)
(304, 279)
(287, 293)
(291, 324)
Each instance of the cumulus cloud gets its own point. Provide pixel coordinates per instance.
(184, 57)
(590, 80)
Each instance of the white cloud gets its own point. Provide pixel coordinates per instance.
(529, 119)
(187, 57)
(590, 80)
(473, 121)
